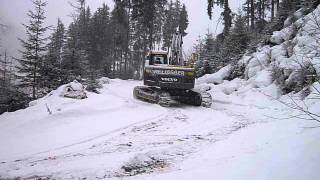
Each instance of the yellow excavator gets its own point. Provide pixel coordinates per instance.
(169, 80)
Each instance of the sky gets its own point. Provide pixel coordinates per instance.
(13, 14)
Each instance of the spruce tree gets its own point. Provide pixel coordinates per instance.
(169, 25)
(227, 16)
(120, 39)
(34, 48)
(71, 65)
(52, 74)
(176, 16)
(150, 14)
(183, 20)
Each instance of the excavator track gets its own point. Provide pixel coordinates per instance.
(169, 98)
(206, 99)
(148, 94)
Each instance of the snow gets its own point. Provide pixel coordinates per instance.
(217, 77)
(279, 37)
(262, 79)
(72, 121)
(258, 62)
(113, 136)
(248, 133)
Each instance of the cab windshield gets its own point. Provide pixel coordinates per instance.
(158, 59)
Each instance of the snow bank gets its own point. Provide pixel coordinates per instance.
(215, 78)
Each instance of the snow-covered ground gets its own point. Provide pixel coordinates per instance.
(247, 133)
(113, 136)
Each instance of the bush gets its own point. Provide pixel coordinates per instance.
(238, 71)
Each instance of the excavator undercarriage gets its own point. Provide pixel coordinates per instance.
(172, 97)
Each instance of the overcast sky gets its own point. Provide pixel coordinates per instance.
(13, 13)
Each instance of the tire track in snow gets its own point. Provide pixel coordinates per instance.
(153, 138)
(118, 130)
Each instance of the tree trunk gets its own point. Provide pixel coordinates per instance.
(260, 10)
(252, 13)
(272, 9)
(128, 40)
(151, 36)
(263, 9)
(248, 12)
(227, 18)
(278, 7)
(5, 69)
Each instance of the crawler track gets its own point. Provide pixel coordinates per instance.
(169, 97)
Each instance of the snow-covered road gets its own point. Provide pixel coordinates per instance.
(111, 135)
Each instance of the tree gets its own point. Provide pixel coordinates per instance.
(176, 16)
(227, 17)
(51, 74)
(252, 14)
(170, 24)
(34, 48)
(236, 43)
(120, 35)
(150, 14)
(75, 52)
(183, 20)
(5, 70)
(71, 65)
(100, 40)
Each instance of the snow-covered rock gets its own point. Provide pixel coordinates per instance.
(74, 90)
(216, 78)
(262, 79)
(285, 34)
(104, 80)
(258, 62)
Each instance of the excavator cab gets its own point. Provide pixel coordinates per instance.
(157, 58)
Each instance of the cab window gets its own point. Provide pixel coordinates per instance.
(158, 59)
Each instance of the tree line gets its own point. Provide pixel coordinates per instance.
(107, 42)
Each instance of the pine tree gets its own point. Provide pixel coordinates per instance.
(169, 25)
(227, 16)
(176, 16)
(100, 36)
(71, 65)
(6, 74)
(236, 43)
(52, 74)
(183, 20)
(252, 14)
(34, 48)
(150, 14)
(120, 39)
(75, 52)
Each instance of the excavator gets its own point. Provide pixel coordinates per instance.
(169, 80)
